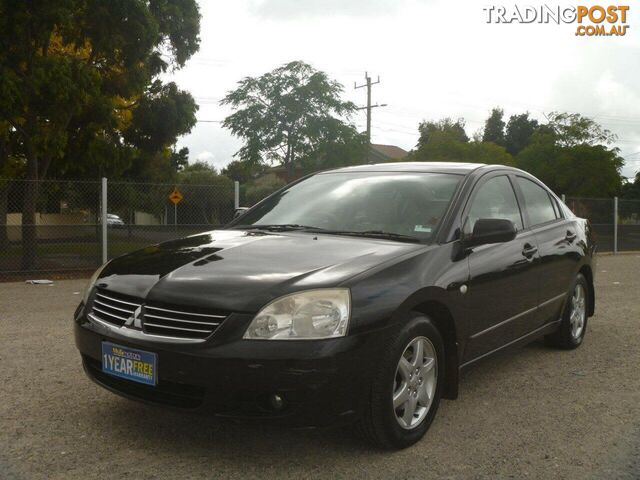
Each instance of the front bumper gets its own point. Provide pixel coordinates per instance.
(321, 382)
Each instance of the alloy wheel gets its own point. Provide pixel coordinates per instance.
(415, 383)
(578, 311)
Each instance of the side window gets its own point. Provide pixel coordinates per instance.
(537, 202)
(556, 206)
(495, 199)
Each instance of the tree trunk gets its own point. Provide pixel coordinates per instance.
(288, 163)
(289, 172)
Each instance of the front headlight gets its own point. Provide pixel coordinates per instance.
(92, 281)
(310, 315)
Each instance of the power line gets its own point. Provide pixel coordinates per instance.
(606, 117)
(368, 108)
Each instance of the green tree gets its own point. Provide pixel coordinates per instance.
(179, 158)
(488, 153)
(136, 145)
(242, 171)
(208, 196)
(159, 117)
(519, 131)
(445, 130)
(338, 145)
(494, 127)
(571, 156)
(471, 152)
(581, 169)
(572, 129)
(82, 66)
(631, 190)
(198, 173)
(10, 167)
(283, 115)
(447, 141)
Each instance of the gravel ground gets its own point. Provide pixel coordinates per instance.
(530, 413)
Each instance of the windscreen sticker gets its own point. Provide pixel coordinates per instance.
(422, 228)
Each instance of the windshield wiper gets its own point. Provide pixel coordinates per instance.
(279, 227)
(376, 234)
(287, 227)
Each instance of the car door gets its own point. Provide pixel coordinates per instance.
(556, 238)
(502, 292)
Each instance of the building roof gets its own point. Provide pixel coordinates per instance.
(386, 152)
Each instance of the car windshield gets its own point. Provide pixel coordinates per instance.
(405, 205)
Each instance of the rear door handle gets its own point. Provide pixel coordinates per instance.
(570, 237)
(529, 250)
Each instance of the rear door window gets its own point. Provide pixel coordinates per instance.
(537, 202)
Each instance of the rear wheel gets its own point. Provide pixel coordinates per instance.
(405, 393)
(574, 320)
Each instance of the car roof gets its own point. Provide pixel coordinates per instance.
(435, 167)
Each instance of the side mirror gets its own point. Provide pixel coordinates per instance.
(490, 230)
(239, 211)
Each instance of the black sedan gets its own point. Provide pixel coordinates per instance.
(351, 296)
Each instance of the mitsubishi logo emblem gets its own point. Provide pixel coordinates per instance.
(135, 319)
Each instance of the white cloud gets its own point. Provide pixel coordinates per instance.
(205, 156)
(434, 61)
(210, 158)
(311, 8)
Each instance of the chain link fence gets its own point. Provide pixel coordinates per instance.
(64, 231)
(66, 234)
(628, 225)
(600, 212)
(616, 222)
(144, 214)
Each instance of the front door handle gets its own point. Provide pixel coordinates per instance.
(570, 237)
(529, 250)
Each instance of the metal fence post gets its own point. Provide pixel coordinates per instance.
(615, 225)
(236, 195)
(103, 212)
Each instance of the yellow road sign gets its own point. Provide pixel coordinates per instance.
(175, 196)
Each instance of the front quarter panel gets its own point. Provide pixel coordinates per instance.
(384, 296)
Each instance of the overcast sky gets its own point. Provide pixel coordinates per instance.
(435, 59)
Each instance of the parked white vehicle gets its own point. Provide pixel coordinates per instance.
(114, 220)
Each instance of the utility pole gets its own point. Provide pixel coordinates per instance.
(368, 108)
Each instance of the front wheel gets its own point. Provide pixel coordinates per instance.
(573, 326)
(405, 393)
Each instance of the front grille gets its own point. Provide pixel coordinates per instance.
(113, 308)
(179, 323)
(155, 319)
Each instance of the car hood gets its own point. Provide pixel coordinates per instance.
(241, 271)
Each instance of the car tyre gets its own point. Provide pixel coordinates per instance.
(411, 376)
(573, 326)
